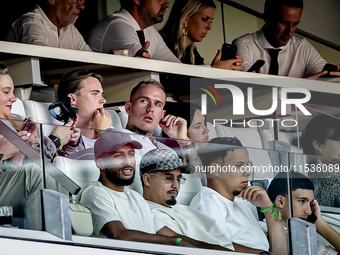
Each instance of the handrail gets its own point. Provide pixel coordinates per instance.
(54, 172)
(166, 67)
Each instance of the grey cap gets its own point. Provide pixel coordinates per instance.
(161, 160)
(112, 140)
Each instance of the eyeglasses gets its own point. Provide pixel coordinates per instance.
(171, 179)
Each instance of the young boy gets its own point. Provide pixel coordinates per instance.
(304, 205)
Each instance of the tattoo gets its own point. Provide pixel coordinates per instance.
(138, 131)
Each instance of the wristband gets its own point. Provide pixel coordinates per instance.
(57, 141)
(178, 241)
(6, 163)
(264, 210)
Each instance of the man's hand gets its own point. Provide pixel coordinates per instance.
(174, 127)
(101, 120)
(64, 132)
(143, 52)
(231, 64)
(334, 73)
(316, 210)
(76, 132)
(257, 196)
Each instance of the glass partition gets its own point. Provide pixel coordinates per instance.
(202, 166)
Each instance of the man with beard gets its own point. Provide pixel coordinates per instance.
(132, 28)
(227, 179)
(161, 172)
(51, 24)
(119, 212)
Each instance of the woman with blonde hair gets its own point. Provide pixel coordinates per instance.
(188, 23)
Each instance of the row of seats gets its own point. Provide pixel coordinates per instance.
(84, 172)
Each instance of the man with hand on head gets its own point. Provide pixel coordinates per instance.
(51, 23)
(161, 172)
(146, 111)
(84, 88)
(304, 205)
(284, 54)
(119, 212)
(132, 28)
(218, 199)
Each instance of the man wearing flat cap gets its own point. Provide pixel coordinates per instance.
(161, 172)
(119, 212)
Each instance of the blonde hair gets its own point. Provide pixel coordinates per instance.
(174, 26)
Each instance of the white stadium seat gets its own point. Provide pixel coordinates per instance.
(18, 108)
(82, 172)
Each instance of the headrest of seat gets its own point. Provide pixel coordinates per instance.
(82, 172)
(249, 137)
(116, 121)
(212, 131)
(18, 108)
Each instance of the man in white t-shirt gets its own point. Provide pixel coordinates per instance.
(146, 112)
(132, 28)
(284, 53)
(218, 199)
(304, 205)
(119, 212)
(162, 175)
(51, 23)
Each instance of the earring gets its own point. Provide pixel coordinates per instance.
(185, 30)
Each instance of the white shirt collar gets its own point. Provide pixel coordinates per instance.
(131, 19)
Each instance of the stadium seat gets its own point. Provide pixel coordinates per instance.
(266, 136)
(189, 189)
(82, 172)
(18, 108)
(250, 138)
(212, 131)
(40, 114)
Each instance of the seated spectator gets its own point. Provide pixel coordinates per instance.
(321, 138)
(119, 212)
(132, 28)
(18, 178)
(146, 111)
(284, 54)
(51, 23)
(218, 199)
(162, 175)
(86, 93)
(189, 22)
(304, 205)
(197, 131)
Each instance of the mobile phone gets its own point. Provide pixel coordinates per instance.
(312, 218)
(257, 65)
(330, 68)
(228, 51)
